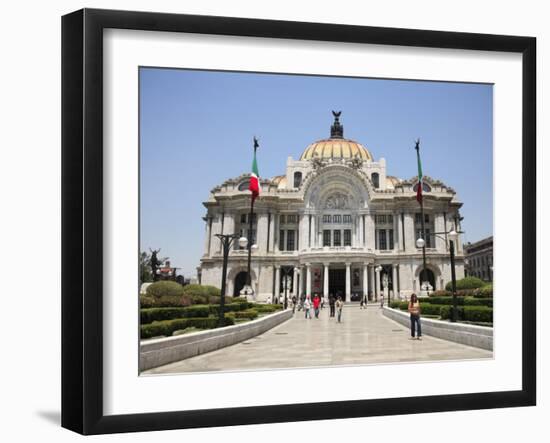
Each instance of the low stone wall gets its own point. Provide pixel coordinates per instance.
(471, 335)
(161, 351)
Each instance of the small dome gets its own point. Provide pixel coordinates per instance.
(336, 148)
(392, 182)
(280, 181)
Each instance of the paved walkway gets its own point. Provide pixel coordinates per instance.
(363, 337)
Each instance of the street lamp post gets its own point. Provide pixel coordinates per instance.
(227, 240)
(453, 238)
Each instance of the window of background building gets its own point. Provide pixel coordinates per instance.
(375, 179)
(347, 237)
(347, 218)
(337, 218)
(290, 240)
(326, 218)
(326, 237)
(282, 219)
(337, 238)
(297, 179)
(282, 240)
(291, 218)
(382, 245)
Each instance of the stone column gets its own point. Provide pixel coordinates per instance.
(277, 283)
(376, 285)
(275, 232)
(369, 232)
(365, 280)
(348, 282)
(303, 226)
(439, 226)
(271, 233)
(362, 230)
(394, 280)
(261, 233)
(396, 233)
(410, 240)
(295, 282)
(325, 280)
(313, 231)
(371, 281)
(207, 234)
(308, 279)
(353, 231)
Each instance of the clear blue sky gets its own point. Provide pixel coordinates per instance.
(197, 128)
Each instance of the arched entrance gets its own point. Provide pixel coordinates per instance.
(427, 275)
(240, 281)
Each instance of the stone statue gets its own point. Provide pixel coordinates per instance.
(317, 163)
(155, 263)
(356, 162)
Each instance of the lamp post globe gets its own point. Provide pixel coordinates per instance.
(243, 242)
(420, 243)
(254, 247)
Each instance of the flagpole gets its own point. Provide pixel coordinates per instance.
(421, 183)
(250, 222)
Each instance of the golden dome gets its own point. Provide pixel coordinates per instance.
(336, 148)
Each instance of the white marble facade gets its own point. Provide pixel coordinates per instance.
(335, 222)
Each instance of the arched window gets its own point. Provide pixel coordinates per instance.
(297, 179)
(425, 187)
(244, 185)
(375, 177)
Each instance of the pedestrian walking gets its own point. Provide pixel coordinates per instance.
(307, 307)
(316, 303)
(294, 301)
(362, 304)
(339, 306)
(331, 302)
(365, 301)
(414, 310)
(382, 301)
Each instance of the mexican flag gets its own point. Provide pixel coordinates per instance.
(420, 182)
(254, 185)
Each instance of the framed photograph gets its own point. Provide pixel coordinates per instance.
(269, 221)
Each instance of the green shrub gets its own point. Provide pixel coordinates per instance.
(430, 309)
(478, 314)
(440, 293)
(201, 290)
(267, 308)
(146, 301)
(251, 314)
(469, 313)
(238, 299)
(478, 301)
(164, 288)
(461, 301)
(466, 283)
(401, 305)
(167, 327)
(484, 292)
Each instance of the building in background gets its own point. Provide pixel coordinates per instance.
(336, 223)
(479, 259)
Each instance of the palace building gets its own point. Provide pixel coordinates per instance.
(334, 223)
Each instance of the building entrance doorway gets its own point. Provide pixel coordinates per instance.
(337, 282)
(240, 281)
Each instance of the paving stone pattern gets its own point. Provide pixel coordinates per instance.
(364, 336)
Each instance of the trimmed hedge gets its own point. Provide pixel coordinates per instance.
(249, 314)
(201, 290)
(461, 301)
(150, 315)
(466, 283)
(165, 301)
(440, 293)
(167, 327)
(267, 308)
(164, 288)
(484, 292)
(469, 313)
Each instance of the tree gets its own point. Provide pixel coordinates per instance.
(145, 274)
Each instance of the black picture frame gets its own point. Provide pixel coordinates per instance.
(82, 216)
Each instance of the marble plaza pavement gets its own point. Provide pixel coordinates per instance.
(365, 336)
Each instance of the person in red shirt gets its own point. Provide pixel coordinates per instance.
(316, 303)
